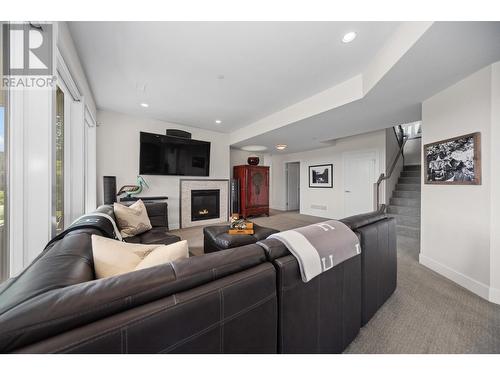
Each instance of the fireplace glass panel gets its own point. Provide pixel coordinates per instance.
(205, 204)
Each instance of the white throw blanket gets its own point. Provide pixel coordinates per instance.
(320, 247)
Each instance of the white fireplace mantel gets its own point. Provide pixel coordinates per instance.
(187, 185)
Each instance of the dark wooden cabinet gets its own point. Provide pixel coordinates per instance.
(254, 189)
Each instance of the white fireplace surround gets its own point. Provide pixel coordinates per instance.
(188, 185)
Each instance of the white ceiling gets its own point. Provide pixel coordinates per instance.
(446, 53)
(267, 66)
(375, 82)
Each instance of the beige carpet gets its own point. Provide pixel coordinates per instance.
(426, 314)
(279, 220)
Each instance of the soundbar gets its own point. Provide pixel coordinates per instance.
(178, 133)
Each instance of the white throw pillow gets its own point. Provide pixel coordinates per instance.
(112, 257)
(132, 220)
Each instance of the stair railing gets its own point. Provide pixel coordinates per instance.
(383, 177)
(399, 133)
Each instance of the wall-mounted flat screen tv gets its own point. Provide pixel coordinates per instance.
(173, 156)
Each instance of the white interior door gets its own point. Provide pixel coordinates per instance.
(359, 177)
(293, 186)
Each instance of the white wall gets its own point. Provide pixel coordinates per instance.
(68, 51)
(333, 198)
(413, 151)
(457, 232)
(118, 155)
(240, 157)
(83, 170)
(495, 183)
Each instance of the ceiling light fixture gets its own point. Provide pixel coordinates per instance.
(349, 37)
(281, 147)
(254, 148)
(145, 105)
(218, 121)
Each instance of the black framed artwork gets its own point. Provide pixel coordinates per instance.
(454, 161)
(321, 176)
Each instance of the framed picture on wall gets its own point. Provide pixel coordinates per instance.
(454, 161)
(321, 176)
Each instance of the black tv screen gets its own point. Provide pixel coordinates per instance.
(166, 155)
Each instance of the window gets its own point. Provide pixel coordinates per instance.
(4, 254)
(59, 160)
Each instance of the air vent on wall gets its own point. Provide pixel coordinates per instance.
(318, 207)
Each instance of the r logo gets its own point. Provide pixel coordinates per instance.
(29, 49)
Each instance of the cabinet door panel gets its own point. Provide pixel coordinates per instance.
(258, 187)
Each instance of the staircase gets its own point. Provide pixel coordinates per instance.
(404, 204)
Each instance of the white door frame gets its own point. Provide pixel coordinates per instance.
(286, 183)
(90, 164)
(68, 102)
(31, 117)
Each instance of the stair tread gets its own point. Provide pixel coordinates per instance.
(392, 214)
(414, 204)
(406, 214)
(409, 180)
(398, 205)
(407, 227)
(412, 166)
(404, 205)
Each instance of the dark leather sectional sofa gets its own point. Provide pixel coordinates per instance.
(248, 299)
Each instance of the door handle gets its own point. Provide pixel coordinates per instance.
(347, 191)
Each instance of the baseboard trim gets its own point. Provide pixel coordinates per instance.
(495, 295)
(278, 208)
(465, 281)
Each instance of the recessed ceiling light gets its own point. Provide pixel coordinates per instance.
(254, 148)
(349, 37)
(145, 105)
(281, 147)
(218, 121)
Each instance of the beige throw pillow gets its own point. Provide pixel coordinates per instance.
(112, 257)
(132, 220)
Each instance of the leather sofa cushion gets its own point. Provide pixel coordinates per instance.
(212, 318)
(158, 236)
(68, 307)
(379, 265)
(67, 262)
(157, 212)
(322, 315)
(274, 248)
(154, 236)
(358, 221)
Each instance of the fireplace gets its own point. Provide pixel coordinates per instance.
(205, 204)
(190, 197)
